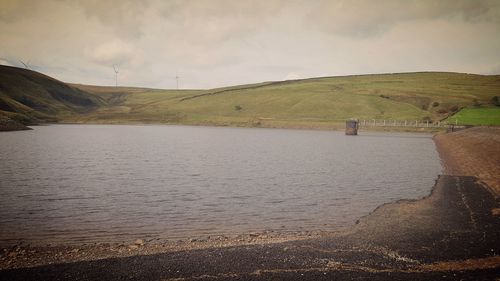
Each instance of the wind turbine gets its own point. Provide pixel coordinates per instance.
(26, 65)
(177, 79)
(116, 75)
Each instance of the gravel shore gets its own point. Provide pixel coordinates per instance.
(24, 255)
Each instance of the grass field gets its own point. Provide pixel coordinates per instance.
(477, 116)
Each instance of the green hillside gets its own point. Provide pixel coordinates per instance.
(477, 116)
(311, 102)
(31, 97)
(317, 102)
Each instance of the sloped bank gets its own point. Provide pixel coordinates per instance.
(8, 124)
(472, 152)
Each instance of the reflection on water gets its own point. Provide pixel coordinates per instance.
(109, 183)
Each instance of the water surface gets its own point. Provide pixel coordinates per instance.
(71, 184)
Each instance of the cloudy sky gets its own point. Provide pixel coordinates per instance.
(215, 43)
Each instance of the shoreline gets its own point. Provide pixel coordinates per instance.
(24, 255)
(372, 227)
(8, 125)
(337, 127)
(438, 236)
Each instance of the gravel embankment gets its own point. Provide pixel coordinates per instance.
(472, 152)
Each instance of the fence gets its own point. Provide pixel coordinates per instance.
(406, 123)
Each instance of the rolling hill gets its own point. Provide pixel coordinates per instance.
(32, 97)
(316, 102)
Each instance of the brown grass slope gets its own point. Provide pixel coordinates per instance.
(29, 96)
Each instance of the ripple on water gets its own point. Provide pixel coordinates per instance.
(74, 184)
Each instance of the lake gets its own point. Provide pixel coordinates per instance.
(75, 184)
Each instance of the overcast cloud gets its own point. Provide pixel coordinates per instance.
(219, 43)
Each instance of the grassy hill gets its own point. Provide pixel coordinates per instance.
(317, 102)
(32, 97)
